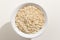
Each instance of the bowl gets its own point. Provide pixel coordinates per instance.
(24, 34)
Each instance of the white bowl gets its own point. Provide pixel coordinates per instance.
(21, 33)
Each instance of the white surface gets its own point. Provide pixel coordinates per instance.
(52, 7)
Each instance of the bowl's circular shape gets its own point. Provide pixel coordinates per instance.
(16, 28)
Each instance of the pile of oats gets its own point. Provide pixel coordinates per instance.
(29, 19)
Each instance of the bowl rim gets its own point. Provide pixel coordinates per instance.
(21, 33)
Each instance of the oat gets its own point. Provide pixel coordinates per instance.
(29, 19)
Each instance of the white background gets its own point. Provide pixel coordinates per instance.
(52, 8)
